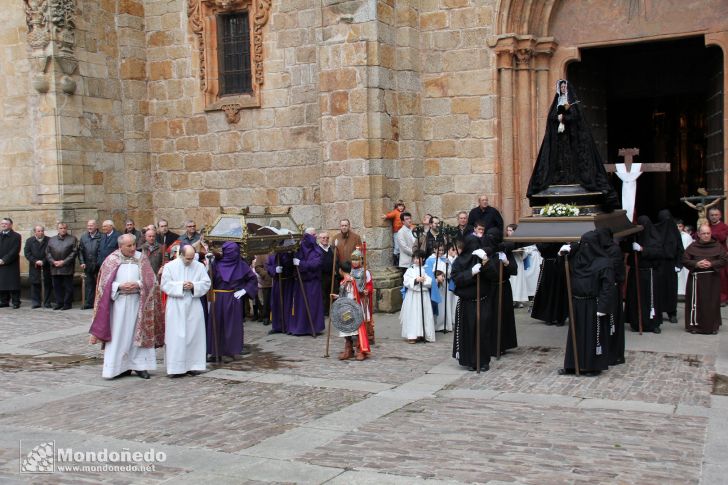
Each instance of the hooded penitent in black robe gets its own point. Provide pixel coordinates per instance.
(649, 264)
(464, 332)
(550, 303)
(673, 252)
(616, 325)
(592, 284)
(494, 244)
(570, 157)
(702, 293)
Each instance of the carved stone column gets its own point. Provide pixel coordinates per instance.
(52, 37)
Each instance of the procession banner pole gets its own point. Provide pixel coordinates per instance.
(447, 285)
(572, 324)
(280, 295)
(331, 298)
(369, 314)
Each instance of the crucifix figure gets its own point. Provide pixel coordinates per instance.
(702, 203)
(629, 172)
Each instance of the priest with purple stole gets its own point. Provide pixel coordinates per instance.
(128, 316)
(185, 281)
(280, 268)
(308, 260)
(232, 279)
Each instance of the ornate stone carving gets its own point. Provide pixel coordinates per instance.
(232, 112)
(199, 10)
(52, 35)
(523, 56)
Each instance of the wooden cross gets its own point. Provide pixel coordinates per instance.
(629, 154)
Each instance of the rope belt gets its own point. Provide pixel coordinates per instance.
(693, 296)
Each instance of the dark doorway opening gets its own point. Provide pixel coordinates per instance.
(666, 99)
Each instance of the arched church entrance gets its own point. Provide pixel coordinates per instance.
(665, 98)
(651, 76)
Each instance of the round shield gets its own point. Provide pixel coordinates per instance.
(346, 315)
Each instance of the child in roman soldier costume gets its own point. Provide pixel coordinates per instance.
(365, 287)
(350, 322)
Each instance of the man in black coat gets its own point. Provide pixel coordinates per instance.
(9, 264)
(486, 213)
(327, 263)
(88, 249)
(109, 241)
(61, 254)
(165, 237)
(39, 269)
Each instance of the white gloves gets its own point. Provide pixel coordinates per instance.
(239, 294)
(677, 270)
(479, 253)
(296, 261)
(279, 269)
(476, 269)
(600, 314)
(636, 247)
(502, 257)
(565, 249)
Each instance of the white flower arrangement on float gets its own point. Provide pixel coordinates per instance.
(560, 210)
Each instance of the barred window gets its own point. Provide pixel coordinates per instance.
(235, 76)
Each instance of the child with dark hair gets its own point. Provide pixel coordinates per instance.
(416, 315)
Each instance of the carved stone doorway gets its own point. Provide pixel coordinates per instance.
(661, 98)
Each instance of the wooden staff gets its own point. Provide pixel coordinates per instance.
(477, 322)
(500, 309)
(213, 318)
(637, 287)
(572, 324)
(305, 302)
(331, 299)
(83, 289)
(447, 286)
(280, 294)
(367, 301)
(422, 304)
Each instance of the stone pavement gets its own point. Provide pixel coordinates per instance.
(285, 414)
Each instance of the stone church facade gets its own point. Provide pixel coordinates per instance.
(113, 108)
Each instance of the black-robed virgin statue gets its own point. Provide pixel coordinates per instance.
(568, 154)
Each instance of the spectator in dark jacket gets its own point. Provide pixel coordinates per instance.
(109, 242)
(61, 254)
(88, 249)
(39, 269)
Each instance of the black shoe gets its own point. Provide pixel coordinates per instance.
(16, 306)
(471, 368)
(566, 372)
(48, 305)
(5, 305)
(559, 324)
(656, 330)
(271, 331)
(484, 368)
(245, 351)
(66, 308)
(124, 374)
(266, 322)
(143, 374)
(592, 373)
(173, 376)
(211, 359)
(193, 373)
(33, 307)
(673, 318)
(58, 307)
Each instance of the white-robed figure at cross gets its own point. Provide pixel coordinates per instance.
(185, 281)
(629, 172)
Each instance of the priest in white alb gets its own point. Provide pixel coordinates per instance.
(128, 316)
(185, 281)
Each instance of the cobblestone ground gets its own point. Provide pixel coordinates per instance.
(285, 414)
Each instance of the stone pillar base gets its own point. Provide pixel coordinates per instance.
(387, 290)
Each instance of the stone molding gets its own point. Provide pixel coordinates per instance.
(201, 15)
(52, 36)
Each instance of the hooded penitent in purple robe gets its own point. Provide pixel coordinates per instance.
(309, 268)
(281, 294)
(229, 274)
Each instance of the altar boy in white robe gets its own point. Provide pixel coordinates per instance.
(416, 310)
(185, 281)
(127, 319)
